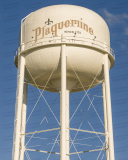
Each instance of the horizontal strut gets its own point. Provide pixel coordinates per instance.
(42, 151)
(88, 151)
(41, 131)
(86, 131)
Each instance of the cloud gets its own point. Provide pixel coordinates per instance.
(112, 18)
(126, 31)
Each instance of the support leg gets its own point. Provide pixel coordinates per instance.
(105, 120)
(109, 112)
(67, 125)
(64, 109)
(23, 121)
(19, 108)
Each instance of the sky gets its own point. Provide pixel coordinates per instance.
(115, 13)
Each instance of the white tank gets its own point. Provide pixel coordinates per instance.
(87, 39)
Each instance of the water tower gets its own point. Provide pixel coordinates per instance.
(63, 48)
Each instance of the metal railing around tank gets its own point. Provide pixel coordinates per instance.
(65, 39)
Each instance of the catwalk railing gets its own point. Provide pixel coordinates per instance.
(69, 40)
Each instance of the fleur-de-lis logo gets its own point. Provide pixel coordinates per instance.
(48, 22)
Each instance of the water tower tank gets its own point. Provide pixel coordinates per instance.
(87, 38)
